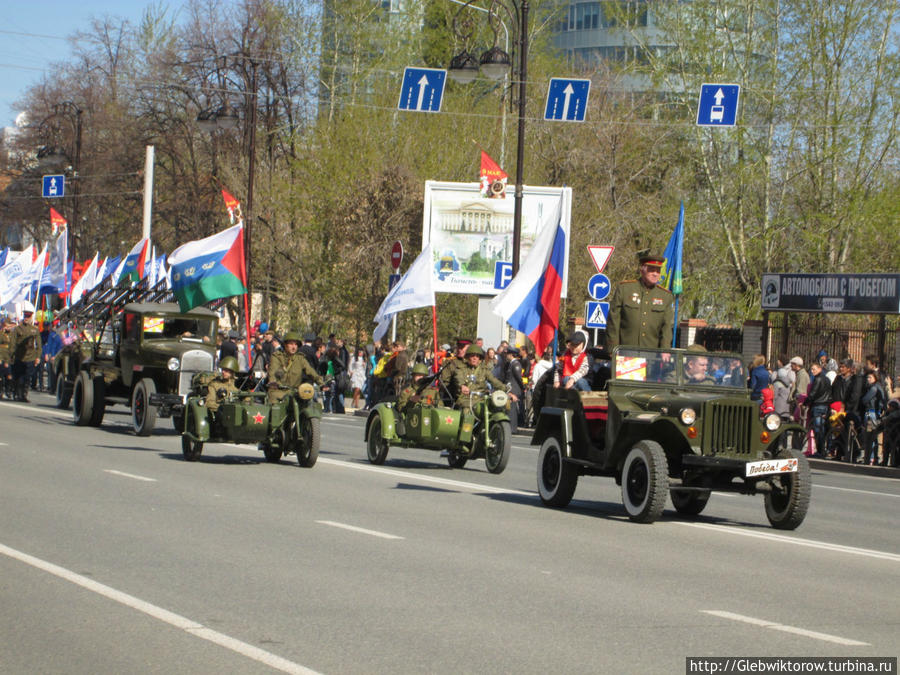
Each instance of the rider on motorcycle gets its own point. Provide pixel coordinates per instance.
(414, 393)
(473, 378)
(289, 369)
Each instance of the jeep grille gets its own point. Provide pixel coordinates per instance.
(728, 426)
(192, 362)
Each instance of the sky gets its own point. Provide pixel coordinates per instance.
(33, 37)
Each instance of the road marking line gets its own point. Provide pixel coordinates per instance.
(811, 543)
(32, 409)
(786, 629)
(164, 615)
(865, 492)
(361, 530)
(4, 444)
(130, 475)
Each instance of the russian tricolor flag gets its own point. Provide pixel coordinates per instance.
(530, 303)
(209, 269)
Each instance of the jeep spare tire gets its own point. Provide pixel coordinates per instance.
(645, 481)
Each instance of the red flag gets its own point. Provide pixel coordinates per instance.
(233, 206)
(57, 222)
(493, 178)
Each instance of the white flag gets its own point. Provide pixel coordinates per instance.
(86, 282)
(15, 277)
(415, 289)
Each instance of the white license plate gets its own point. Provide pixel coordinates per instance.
(770, 466)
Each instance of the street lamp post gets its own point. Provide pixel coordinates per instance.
(71, 112)
(494, 64)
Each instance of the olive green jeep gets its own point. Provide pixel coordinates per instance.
(666, 423)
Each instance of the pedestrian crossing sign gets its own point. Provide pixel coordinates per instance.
(595, 314)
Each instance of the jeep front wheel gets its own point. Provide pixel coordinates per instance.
(645, 482)
(556, 478)
(787, 503)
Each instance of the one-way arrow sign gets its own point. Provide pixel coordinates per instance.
(422, 89)
(567, 100)
(718, 105)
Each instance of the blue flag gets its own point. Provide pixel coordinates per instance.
(3, 254)
(671, 273)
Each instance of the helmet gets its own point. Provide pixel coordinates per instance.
(27, 308)
(293, 336)
(420, 369)
(229, 363)
(475, 350)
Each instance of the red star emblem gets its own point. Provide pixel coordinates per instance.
(258, 418)
(448, 420)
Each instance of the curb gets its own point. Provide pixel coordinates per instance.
(858, 469)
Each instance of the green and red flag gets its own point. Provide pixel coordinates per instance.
(209, 269)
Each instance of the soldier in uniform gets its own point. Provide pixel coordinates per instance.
(473, 377)
(289, 368)
(453, 363)
(696, 367)
(5, 357)
(412, 394)
(26, 341)
(223, 386)
(641, 313)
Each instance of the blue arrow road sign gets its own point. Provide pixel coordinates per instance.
(422, 89)
(53, 186)
(598, 286)
(595, 314)
(502, 274)
(567, 100)
(718, 105)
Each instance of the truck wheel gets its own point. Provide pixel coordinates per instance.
(310, 438)
(178, 422)
(556, 478)
(787, 503)
(63, 393)
(99, 408)
(376, 446)
(496, 454)
(82, 399)
(143, 415)
(645, 481)
(191, 449)
(689, 502)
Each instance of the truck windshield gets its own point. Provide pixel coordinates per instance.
(706, 368)
(175, 327)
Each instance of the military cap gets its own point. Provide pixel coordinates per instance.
(420, 369)
(292, 336)
(462, 342)
(475, 350)
(696, 348)
(652, 259)
(229, 363)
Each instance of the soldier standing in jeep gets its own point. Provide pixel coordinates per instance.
(641, 313)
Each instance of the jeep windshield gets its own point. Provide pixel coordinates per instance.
(198, 329)
(680, 367)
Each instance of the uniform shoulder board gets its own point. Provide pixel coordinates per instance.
(663, 288)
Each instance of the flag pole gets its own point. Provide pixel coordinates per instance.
(247, 323)
(434, 359)
(675, 325)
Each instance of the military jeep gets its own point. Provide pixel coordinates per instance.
(144, 357)
(666, 423)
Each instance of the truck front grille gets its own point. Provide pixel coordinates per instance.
(728, 427)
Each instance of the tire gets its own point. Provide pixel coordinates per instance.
(496, 454)
(82, 399)
(310, 439)
(376, 446)
(143, 415)
(456, 460)
(689, 502)
(787, 504)
(556, 478)
(99, 409)
(645, 481)
(178, 422)
(191, 449)
(63, 394)
(272, 453)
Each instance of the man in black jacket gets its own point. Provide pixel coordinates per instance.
(848, 388)
(818, 400)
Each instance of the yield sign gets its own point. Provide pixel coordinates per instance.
(600, 255)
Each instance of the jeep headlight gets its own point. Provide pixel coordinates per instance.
(688, 416)
(173, 364)
(773, 421)
(499, 399)
(305, 391)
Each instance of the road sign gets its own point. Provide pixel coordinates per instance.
(566, 100)
(422, 89)
(393, 280)
(600, 255)
(53, 186)
(396, 255)
(595, 314)
(718, 105)
(502, 274)
(598, 286)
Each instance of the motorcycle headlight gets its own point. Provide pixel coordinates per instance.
(305, 391)
(499, 399)
(773, 421)
(688, 416)
(173, 364)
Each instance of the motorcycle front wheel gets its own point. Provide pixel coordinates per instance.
(308, 446)
(496, 454)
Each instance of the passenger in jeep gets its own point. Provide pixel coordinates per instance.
(575, 365)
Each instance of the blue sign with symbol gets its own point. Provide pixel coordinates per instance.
(393, 280)
(595, 314)
(502, 274)
(598, 286)
(567, 100)
(422, 89)
(718, 105)
(53, 186)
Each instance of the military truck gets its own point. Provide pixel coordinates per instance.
(667, 423)
(139, 353)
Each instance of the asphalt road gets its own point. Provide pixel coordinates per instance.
(118, 556)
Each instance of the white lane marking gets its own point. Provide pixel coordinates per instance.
(32, 409)
(4, 444)
(164, 615)
(811, 543)
(843, 489)
(130, 475)
(361, 530)
(836, 639)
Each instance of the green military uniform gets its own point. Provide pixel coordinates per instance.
(450, 365)
(220, 384)
(26, 340)
(5, 360)
(289, 370)
(640, 316)
(4, 347)
(411, 394)
(476, 378)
